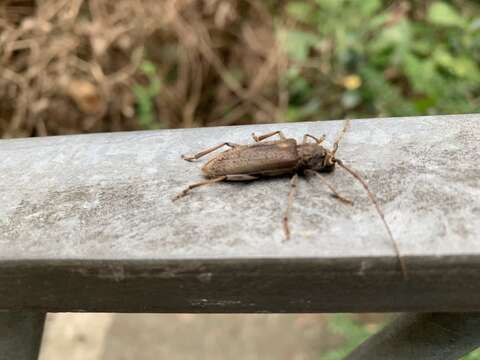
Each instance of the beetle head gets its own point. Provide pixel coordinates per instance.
(316, 157)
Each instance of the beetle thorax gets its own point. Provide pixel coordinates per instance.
(315, 157)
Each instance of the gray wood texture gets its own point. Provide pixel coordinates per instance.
(86, 223)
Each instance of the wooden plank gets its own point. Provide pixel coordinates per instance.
(86, 223)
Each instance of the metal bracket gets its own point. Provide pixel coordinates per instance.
(433, 336)
(20, 335)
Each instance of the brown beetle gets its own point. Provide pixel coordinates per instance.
(275, 158)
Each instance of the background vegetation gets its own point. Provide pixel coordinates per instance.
(90, 65)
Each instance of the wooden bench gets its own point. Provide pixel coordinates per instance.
(87, 224)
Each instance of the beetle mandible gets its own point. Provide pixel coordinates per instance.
(281, 157)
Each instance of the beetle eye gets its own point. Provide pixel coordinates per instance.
(331, 160)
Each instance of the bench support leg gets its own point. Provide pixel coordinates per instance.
(20, 335)
(445, 336)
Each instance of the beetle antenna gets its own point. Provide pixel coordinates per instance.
(340, 136)
(380, 212)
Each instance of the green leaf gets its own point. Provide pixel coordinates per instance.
(475, 25)
(353, 332)
(297, 43)
(302, 113)
(384, 96)
(422, 46)
(421, 73)
(424, 104)
(368, 7)
(399, 35)
(474, 355)
(300, 10)
(443, 14)
(460, 66)
(144, 107)
(330, 4)
(148, 68)
(145, 95)
(465, 67)
(378, 21)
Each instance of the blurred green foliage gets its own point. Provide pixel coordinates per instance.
(145, 96)
(357, 58)
(355, 332)
(474, 355)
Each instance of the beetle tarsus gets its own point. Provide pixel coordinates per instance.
(267, 135)
(180, 195)
(188, 158)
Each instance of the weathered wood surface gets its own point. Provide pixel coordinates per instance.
(86, 223)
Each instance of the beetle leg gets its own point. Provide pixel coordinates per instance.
(317, 140)
(332, 189)
(208, 151)
(195, 185)
(291, 194)
(267, 135)
(235, 177)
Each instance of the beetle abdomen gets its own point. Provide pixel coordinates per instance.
(265, 158)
